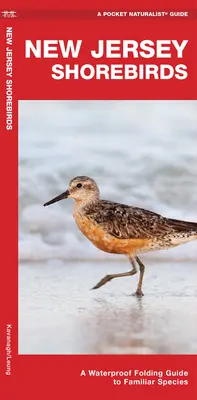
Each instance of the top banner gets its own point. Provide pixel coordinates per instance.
(113, 54)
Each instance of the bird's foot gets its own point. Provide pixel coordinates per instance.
(138, 293)
(103, 281)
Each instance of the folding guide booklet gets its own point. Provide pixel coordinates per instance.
(98, 200)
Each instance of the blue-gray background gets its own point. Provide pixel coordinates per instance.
(141, 153)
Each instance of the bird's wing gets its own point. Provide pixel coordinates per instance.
(127, 222)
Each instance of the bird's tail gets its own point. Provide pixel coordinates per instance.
(183, 226)
(184, 231)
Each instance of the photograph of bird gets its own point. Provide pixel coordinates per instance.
(122, 229)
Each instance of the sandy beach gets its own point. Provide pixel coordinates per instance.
(59, 314)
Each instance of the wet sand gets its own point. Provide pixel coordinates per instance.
(59, 314)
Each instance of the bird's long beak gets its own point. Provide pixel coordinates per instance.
(61, 196)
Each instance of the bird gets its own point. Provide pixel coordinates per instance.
(122, 229)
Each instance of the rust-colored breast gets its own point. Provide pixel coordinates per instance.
(106, 242)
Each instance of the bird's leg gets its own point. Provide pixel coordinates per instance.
(142, 269)
(108, 278)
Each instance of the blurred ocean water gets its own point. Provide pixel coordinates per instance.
(141, 153)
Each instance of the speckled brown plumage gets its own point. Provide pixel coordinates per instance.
(126, 222)
(123, 229)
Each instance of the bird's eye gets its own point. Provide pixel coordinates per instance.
(79, 185)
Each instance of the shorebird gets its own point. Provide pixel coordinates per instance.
(123, 229)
